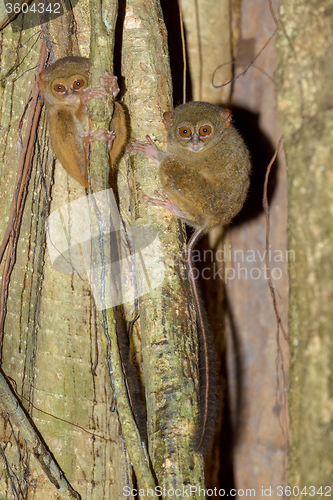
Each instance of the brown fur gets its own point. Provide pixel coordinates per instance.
(205, 176)
(68, 118)
(209, 186)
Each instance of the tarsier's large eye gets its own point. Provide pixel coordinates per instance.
(205, 130)
(60, 88)
(78, 84)
(184, 131)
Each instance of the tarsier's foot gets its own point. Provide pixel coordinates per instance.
(93, 93)
(96, 135)
(149, 150)
(164, 201)
(111, 83)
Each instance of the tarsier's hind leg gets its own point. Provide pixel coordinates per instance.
(164, 201)
(68, 147)
(120, 126)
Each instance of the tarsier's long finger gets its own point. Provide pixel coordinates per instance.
(111, 82)
(150, 150)
(149, 139)
(94, 93)
(97, 135)
(162, 195)
(151, 201)
(110, 135)
(164, 201)
(135, 146)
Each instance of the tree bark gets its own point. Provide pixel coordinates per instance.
(305, 96)
(258, 412)
(168, 332)
(50, 337)
(56, 352)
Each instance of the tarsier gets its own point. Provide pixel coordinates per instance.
(205, 178)
(65, 91)
(204, 173)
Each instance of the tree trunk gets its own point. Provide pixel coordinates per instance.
(168, 327)
(50, 337)
(305, 95)
(50, 353)
(258, 411)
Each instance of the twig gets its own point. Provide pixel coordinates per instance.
(182, 34)
(236, 63)
(266, 210)
(272, 12)
(280, 396)
(16, 209)
(10, 406)
(247, 67)
(100, 60)
(54, 416)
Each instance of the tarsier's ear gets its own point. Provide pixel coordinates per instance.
(226, 115)
(166, 119)
(41, 83)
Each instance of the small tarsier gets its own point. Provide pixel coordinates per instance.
(65, 91)
(205, 178)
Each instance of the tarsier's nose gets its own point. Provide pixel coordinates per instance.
(196, 143)
(71, 97)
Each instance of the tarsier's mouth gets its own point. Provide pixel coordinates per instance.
(72, 97)
(195, 147)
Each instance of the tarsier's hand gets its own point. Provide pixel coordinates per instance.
(148, 149)
(97, 135)
(64, 88)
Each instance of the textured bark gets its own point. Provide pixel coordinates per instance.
(211, 29)
(209, 44)
(260, 451)
(49, 341)
(305, 98)
(168, 333)
(50, 335)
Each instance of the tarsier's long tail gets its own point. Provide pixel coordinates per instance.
(208, 398)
